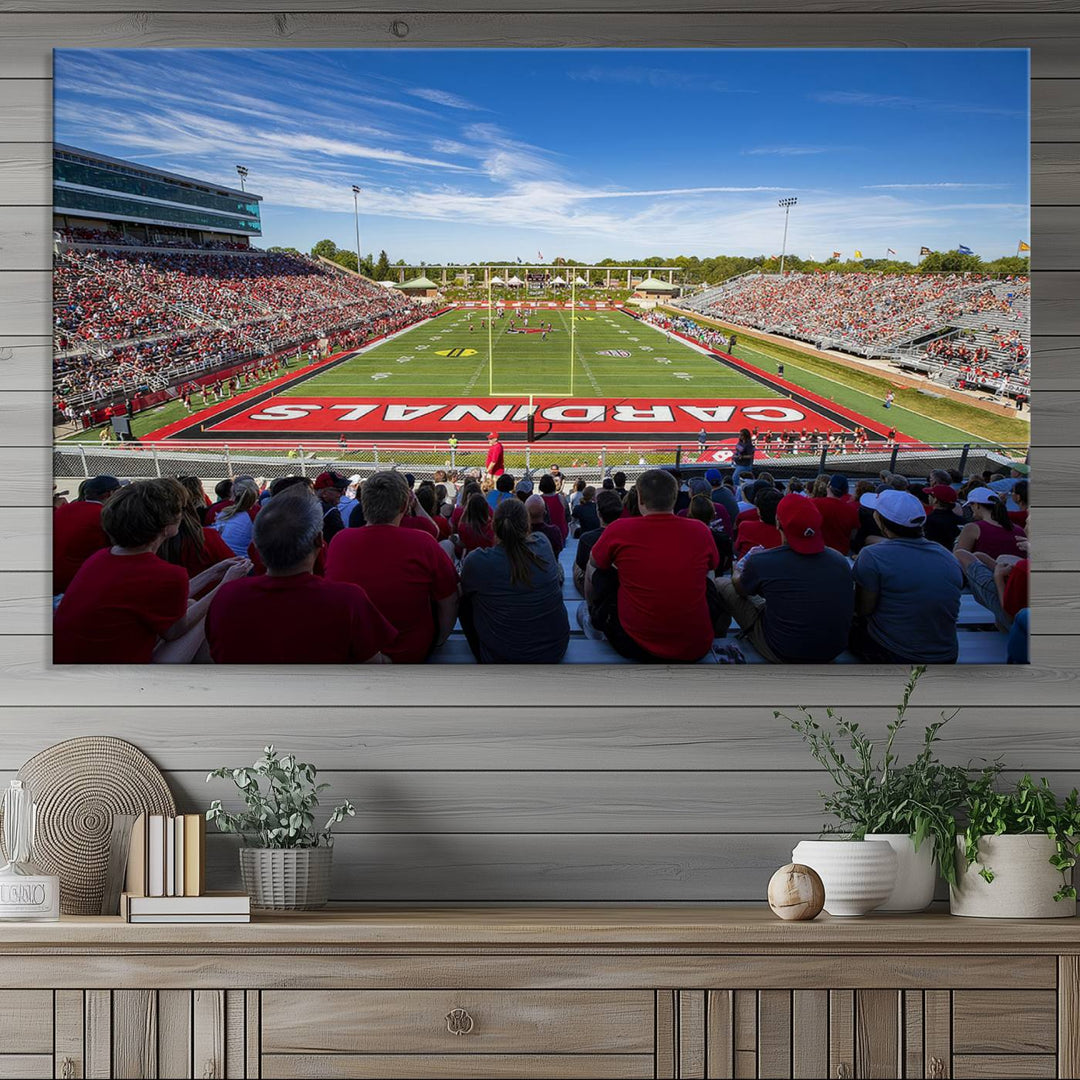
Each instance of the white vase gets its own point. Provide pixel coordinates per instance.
(858, 875)
(1024, 881)
(916, 872)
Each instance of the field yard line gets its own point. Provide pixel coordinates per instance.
(577, 354)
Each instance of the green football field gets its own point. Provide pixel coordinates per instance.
(414, 364)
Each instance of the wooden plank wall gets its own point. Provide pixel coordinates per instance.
(607, 784)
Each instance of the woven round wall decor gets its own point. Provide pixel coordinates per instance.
(78, 785)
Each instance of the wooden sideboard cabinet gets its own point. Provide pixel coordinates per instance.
(551, 993)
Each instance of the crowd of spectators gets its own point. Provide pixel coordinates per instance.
(343, 569)
(859, 312)
(124, 317)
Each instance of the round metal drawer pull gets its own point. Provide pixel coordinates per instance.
(459, 1022)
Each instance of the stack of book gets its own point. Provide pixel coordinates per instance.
(166, 875)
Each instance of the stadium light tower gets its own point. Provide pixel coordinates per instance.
(787, 204)
(356, 219)
(241, 171)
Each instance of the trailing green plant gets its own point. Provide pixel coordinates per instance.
(280, 798)
(1029, 808)
(874, 793)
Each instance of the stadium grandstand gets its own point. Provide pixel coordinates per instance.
(156, 284)
(969, 331)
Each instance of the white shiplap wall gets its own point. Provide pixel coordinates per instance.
(607, 784)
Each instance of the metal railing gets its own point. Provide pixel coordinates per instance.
(590, 462)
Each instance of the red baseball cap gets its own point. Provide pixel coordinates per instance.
(800, 521)
(493, 434)
(943, 493)
(330, 480)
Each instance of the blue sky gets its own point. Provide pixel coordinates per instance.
(476, 154)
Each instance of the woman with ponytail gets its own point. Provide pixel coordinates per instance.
(990, 530)
(512, 609)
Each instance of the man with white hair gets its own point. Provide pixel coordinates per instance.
(288, 615)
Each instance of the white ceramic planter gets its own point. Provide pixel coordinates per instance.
(1024, 881)
(858, 875)
(916, 872)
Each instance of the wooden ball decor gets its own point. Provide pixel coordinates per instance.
(796, 893)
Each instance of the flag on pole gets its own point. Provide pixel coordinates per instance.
(925, 251)
(540, 256)
(858, 254)
(889, 251)
(1023, 247)
(964, 249)
(836, 254)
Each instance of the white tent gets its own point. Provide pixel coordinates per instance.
(558, 281)
(496, 280)
(388, 284)
(515, 280)
(579, 280)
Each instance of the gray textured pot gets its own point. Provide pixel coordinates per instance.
(1024, 881)
(287, 879)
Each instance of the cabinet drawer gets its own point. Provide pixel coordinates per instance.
(26, 1022)
(1005, 1066)
(459, 1066)
(457, 1021)
(1004, 1022)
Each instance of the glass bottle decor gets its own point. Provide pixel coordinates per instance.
(25, 891)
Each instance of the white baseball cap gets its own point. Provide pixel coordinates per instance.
(899, 507)
(983, 496)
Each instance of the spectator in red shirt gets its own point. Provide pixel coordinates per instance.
(223, 490)
(1000, 585)
(474, 526)
(128, 606)
(409, 578)
(990, 531)
(1020, 497)
(658, 608)
(77, 531)
(493, 466)
(556, 505)
(839, 515)
(762, 531)
(288, 615)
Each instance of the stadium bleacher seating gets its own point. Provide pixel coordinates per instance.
(909, 318)
(123, 317)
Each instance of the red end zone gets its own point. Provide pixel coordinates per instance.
(563, 416)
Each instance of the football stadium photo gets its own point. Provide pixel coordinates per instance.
(541, 357)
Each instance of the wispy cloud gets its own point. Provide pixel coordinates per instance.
(902, 101)
(658, 78)
(940, 185)
(443, 97)
(788, 151)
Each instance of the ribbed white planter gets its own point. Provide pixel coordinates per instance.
(858, 875)
(287, 879)
(916, 872)
(1024, 881)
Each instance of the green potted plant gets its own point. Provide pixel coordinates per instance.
(1017, 851)
(911, 807)
(285, 859)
